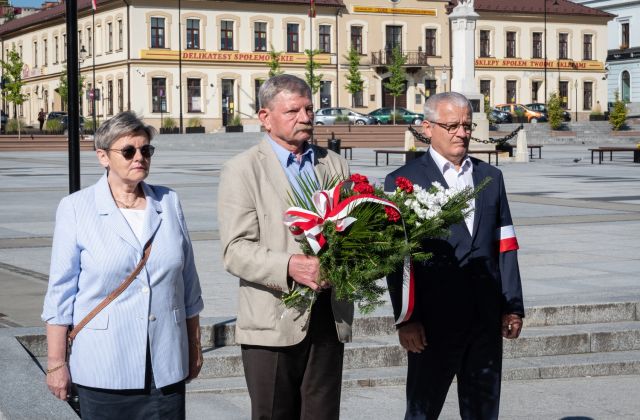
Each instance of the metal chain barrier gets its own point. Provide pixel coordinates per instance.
(501, 140)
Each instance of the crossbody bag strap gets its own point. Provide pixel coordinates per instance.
(112, 295)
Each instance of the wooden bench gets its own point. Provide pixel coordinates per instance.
(350, 150)
(489, 152)
(391, 152)
(611, 149)
(535, 146)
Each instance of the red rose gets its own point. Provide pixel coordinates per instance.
(363, 188)
(392, 214)
(404, 184)
(357, 178)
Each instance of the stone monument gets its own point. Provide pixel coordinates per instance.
(463, 26)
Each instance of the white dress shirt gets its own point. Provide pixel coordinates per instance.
(457, 178)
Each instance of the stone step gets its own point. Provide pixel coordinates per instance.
(220, 332)
(384, 350)
(543, 367)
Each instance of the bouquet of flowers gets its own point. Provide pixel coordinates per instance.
(361, 234)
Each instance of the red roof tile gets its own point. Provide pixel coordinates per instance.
(564, 7)
(57, 12)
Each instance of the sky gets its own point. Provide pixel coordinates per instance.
(26, 3)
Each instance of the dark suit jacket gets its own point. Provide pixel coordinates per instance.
(468, 281)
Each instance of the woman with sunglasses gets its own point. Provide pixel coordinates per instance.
(132, 359)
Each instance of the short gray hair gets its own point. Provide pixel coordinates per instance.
(431, 105)
(282, 83)
(122, 124)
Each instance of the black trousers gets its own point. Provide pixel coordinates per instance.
(150, 403)
(302, 381)
(477, 364)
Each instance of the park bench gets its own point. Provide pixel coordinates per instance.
(531, 147)
(392, 152)
(611, 149)
(489, 153)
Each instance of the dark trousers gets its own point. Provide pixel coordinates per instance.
(150, 403)
(477, 364)
(301, 381)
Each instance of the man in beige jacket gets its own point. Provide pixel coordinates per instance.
(292, 358)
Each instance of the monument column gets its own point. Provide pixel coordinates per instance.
(463, 29)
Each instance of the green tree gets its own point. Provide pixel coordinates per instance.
(487, 110)
(63, 86)
(274, 62)
(354, 78)
(13, 83)
(554, 108)
(312, 75)
(396, 84)
(618, 114)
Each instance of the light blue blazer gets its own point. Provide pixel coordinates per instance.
(94, 250)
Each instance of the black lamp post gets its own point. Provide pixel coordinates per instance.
(82, 55)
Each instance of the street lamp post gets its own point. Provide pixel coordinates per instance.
(82, 55)
(575, 84)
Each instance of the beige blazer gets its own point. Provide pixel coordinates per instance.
(256, 245)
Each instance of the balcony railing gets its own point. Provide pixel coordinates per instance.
(413, 58)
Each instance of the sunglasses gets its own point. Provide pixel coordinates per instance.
(129, 152)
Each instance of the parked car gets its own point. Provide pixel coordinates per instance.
(519, 109)
(328, 116)
(408, 117)
(536, 106)
(64, 120)
(500, 117)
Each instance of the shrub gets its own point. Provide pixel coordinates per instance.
(618, 114)
(12, 125)
(342, 118)
(88, 125)
(235, 121)
(554, 107)
(487, 110)
(398, 118)
(168, 123)
(53, 126)
(194, 122)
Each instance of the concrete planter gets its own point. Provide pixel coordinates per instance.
(233, 129)
(194, 130)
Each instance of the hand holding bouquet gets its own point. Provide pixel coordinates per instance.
(360, 234)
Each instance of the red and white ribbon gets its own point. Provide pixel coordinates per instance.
(328, 208)
(508, 240)
(408, 292)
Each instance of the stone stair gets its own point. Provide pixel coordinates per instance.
(557, 342)
(590, 133)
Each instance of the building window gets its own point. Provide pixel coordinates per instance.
(535, 88)
(260, 37)
(511, 91)
(624, 35)
(564, 94)
(430, 86)
(485, 89)
(120, 35)
(358, 101)
(626, 86)
(356, 38)
(563, 46)
(110, 37)
(120, 88)
(293, 37)
(393, 35)
(256, 92)
(324, 38)
(430, 42)
(45, 52)
(89, 42)
(35, 54)
(64, 49)
(110, 97)
(56, 50)
(485, 44)
(194, 96)
(587, 96)
(157, 32)
(587, 50)
(536, 48)
(158, 94)
(325, 94)
(511, 44)
(226, 35)
(193, 34)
